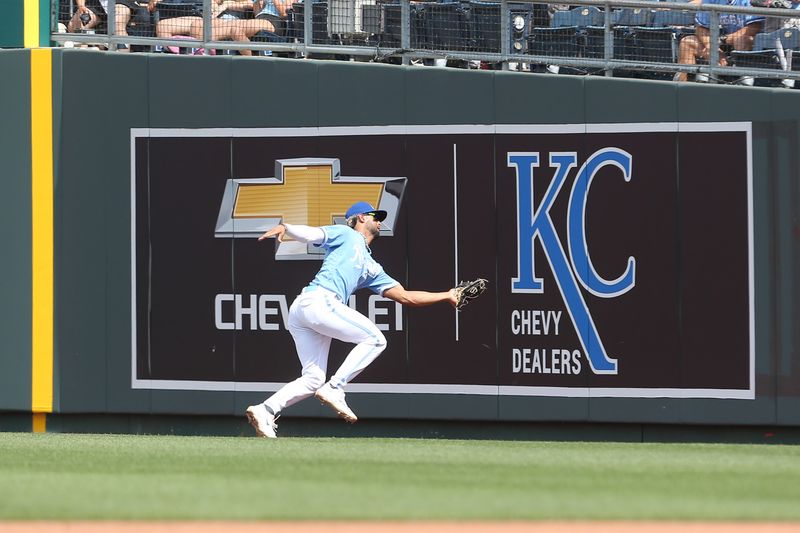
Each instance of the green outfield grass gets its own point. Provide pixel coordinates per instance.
(68, 476)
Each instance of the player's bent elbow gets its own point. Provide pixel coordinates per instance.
(397, 293)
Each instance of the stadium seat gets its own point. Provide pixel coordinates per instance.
(441, 26)
(760, 59)
(579, 17)
(554, 42)
(632, 17)
(623, 21)
(596, 40)
(574, 22)
(371, 18)
(664, 18)
(141, 24)
(295, 24)
(390, 26)
(754, 59)
(654, 45)
(484, 22)
(789, 38)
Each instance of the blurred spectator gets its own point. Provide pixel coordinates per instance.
(91, 13)
(273, 11)
(232, 10)
(170, 26)
(737, 31)
(227, 23)
(777, 23)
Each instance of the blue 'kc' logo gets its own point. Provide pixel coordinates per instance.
(578, 268)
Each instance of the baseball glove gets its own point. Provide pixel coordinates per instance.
(466, 291)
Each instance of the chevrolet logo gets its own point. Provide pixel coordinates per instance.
(308, 191)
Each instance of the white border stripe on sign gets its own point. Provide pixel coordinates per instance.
(459, 129)
(455, 225)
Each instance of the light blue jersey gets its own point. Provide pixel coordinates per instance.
(729, 22)
(348, 265)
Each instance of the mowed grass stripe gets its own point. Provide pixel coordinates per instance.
(68, 476)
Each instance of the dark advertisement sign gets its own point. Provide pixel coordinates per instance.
(620, 256)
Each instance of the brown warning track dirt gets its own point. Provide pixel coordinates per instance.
(398, 527)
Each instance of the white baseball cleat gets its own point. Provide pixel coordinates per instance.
(335, 399)
(262, 420)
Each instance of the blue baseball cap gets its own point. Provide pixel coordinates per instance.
(364, 208)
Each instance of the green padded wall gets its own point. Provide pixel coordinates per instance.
(12, 25)
(93, 187)
(15, 217)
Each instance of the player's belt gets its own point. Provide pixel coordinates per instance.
(317, 288)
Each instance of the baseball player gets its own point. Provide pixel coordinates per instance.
(320, 313)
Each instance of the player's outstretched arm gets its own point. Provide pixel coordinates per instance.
(298, 232)
(399, 294)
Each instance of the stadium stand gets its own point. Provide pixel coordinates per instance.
(467, 30)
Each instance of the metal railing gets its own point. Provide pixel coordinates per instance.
(619, 37)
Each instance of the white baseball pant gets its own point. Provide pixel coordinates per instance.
(316, 317)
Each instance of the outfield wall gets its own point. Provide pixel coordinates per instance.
(668, 295)
(25, 23)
